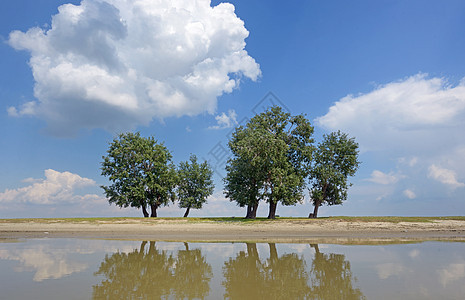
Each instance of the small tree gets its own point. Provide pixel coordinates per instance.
(141, 173)
(334, 160)
(195, 184)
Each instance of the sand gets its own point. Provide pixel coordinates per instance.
(320, 230)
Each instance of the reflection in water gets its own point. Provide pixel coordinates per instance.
(45, 262)
(101, 269)
(154, 273)
(287, 276)
(332, 277)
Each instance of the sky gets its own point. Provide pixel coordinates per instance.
(74, 74)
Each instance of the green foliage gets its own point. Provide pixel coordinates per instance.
(141, 172)
(195, 183)
(242, 183)
(334, 160)
(270, 158)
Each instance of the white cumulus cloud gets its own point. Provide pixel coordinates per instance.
(226, 120)
(116, 64)
(418, 112)
(445, 176)
(417, 122)
(57, 187)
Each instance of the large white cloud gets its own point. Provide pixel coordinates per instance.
(412, 128)
(418, 112)
(116, 64)
(57, 187)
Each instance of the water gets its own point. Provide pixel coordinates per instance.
(109, 269)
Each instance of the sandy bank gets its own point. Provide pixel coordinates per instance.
(281, 230)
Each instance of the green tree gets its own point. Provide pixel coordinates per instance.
(243, 185)
(270, 158)
(195, 184)
(334, 160)
(141, 173)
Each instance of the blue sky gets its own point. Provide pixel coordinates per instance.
(73, 74)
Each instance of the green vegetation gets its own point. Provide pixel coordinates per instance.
(273, 157)
(143, 175)
(141, 172)
(392, 219)
(195, 184)
(334, 160)
(123, 220)
(270, 154)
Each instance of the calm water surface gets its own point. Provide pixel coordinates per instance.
(102, 269)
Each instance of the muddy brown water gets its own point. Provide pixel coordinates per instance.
(62, 268)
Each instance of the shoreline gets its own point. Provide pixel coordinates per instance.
(292, 231)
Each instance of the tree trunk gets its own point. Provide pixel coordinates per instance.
(145, 212)
(315, 211)
(186, 245)
(272, 212)
(249, 212)
(187, 212)
(252, 211)
(154, 210)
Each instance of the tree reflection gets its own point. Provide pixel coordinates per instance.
(243, 275)
(192, 274)
(248, 277)
(332, 277)
(154, 274)
(287, 276)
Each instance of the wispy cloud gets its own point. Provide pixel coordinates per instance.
(451, 273)
(383, 178)
(445, 176)
(409, 194)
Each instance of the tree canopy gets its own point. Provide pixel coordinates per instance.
(141, 173)
(195, 184)
(334, 160)
(270, 155)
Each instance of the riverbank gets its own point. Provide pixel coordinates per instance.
(336, 229)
